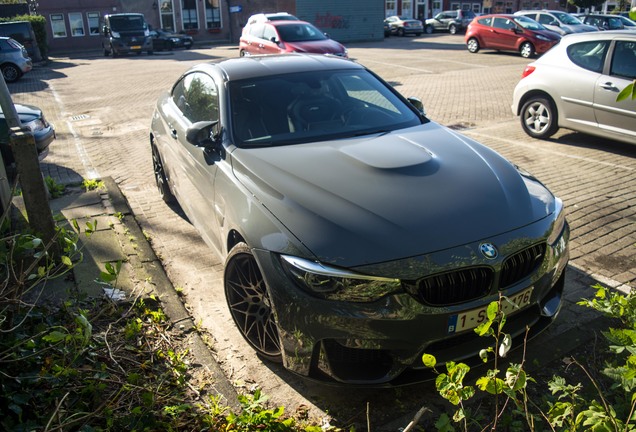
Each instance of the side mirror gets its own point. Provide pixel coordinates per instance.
(203, 133)
(417, 103)
(274, 40)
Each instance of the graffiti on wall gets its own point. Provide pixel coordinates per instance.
(331, 21)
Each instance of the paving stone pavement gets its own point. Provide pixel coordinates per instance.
(101, 109)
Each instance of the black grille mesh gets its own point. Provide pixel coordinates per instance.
(521, 265)
(455, 287)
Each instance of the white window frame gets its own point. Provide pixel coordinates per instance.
(407, 8)
(166, 15)
(91, 16)
(55, 20)
(198, 19)
(390, 7)
(75, 18)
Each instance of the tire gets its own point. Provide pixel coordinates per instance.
(473, 45)
(249, 303)
(452, 29)
(242, 53)
(539, 117)
(400, 32)
(526, 50)
(160, 177)
(428, 29)
(11, 72)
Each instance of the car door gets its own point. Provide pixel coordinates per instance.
(503, 35)
(618, 117)
(253, 39)
(193, 168)
(269, 43)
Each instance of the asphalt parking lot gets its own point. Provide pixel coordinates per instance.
(101, 108)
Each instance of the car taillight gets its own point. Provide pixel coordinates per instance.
(527, 71)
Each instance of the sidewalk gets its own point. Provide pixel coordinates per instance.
(117, 237)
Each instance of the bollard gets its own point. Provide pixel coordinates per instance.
(36, 200)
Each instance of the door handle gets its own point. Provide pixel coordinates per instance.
(609, 86)
(173, 131)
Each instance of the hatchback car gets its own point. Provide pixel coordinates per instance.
(575, 86)
(168, 40)
(275, 37)
(604, 22)
(32, 118)
(14, 60)
(356, 233)
(509, 33)
(558, 21)
(402, 26)
(452, 21)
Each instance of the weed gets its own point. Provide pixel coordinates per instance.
(92, 184)
(55, 189)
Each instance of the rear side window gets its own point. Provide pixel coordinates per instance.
(624, 60)
(485, 21)
(589, 55)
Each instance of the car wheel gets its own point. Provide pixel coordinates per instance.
(249, 302)
(11, 72)
(160, 177)
(428, 29)
(526, 50)
(472, 45)
(452, 29)
(539, 117)
(400, 32)
(242, 53)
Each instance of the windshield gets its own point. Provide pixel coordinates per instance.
(528, 23)
(627, 22)
(299, 33)
(126, 23)
(314, 106)
(567, 18)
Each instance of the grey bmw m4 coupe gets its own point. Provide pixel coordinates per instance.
(357, 234)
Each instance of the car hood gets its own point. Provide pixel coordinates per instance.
(25, 112)
(578, 28)
(552, 35)
(385, 197)
(326, 46)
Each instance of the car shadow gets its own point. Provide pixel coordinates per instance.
(582, 140)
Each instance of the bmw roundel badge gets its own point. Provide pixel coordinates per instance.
(488, 250)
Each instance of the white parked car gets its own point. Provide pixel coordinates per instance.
(575, 86)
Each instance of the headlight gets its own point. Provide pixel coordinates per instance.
(337, 284)
(543, 38)
(114, 34)
(559, 222)
(175, 40)
(35, 125)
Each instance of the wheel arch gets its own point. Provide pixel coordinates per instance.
(536, 93)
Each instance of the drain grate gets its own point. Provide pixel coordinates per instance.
(80, 117)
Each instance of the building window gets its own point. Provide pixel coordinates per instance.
(77, 23)
(391, 7)
(93, 23)
(189, 14)
(407, 8)
(167, 15)
(476, 7)
(454, 6)
(212, 14)
(58, 26)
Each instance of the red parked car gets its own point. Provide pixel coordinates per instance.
(509, 33)
(277, 37)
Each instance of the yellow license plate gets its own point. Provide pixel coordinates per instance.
(135, 47)
(472, 318)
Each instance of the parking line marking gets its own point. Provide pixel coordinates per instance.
(400, 66)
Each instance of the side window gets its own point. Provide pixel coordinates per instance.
(624, 60)
(485, 21)
(588, 55)
(546, 19)
(503, 23)
(269, 33)
(256, 30)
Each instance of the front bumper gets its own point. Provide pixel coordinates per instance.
(381, 343)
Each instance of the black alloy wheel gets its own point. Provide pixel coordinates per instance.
(160, 177)
(250, 304)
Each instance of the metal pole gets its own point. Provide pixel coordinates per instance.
(11, 116)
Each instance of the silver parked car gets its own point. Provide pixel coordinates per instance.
(558, 21)
(14, 60)
(575, 85)
(356, 233)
